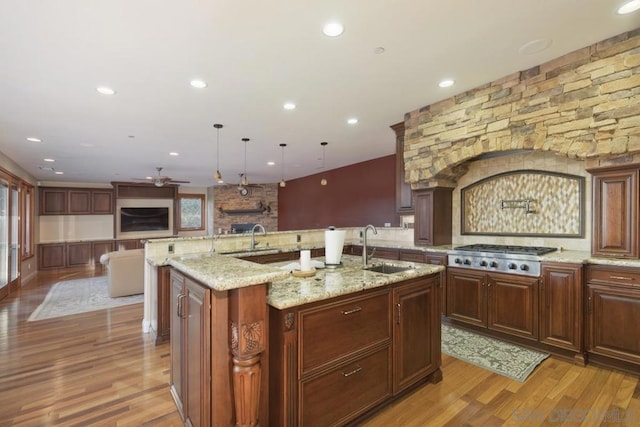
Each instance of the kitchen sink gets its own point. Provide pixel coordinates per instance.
(389, 268)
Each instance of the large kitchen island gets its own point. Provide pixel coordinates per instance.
(253, 345)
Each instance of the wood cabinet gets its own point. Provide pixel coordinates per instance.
(613, 316)
(432, 222)
(561, 308)
(404, 199)
(79, 254)
(411, 255)
(438, 258)
(501, 302)
(76, 201)
(101, 247)
(377, 251)
(51, 255)
(416, 331)
(615, 231)
(333, 361)
(190, 350)
(160, 317)
(128, 244)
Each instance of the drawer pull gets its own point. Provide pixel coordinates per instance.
(353, 310)
(621, 277)
(355, 371)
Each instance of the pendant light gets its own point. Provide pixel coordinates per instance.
(218, 176)
(282, 182)
(323, 181)
(245, 180)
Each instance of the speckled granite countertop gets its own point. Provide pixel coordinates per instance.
(329, 283)
(223, 273)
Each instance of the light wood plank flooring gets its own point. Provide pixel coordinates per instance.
(98, 368)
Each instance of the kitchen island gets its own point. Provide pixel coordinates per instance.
(237, 328)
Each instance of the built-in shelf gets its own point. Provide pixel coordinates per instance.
(258, 210)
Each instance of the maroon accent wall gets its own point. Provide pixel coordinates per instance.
(355, 195)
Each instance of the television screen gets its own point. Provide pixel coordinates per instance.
(144, 219)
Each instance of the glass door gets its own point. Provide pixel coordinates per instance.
(4, 237)
(14, 237)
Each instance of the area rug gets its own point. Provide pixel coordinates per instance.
(79, 296)
(500, 357)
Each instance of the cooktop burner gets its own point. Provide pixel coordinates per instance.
(506, 249)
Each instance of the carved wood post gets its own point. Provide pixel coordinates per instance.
(247, 315)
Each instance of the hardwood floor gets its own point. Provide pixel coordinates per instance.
(98, 368)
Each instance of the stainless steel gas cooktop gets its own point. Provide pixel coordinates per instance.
(524, 260)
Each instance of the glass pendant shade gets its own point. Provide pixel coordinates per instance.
(218, 176)
(282, 181)
(323, 181)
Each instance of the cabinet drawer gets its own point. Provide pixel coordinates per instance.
(347, 391)
(611, 275)
(414, 256)
(334, 331)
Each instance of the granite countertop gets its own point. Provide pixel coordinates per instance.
(329, 283)
(223, 273)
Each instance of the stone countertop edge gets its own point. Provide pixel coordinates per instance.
(223, 273)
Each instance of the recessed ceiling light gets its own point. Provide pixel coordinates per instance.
(333, 29)
(59, 173)
(271, 163)
(352, 121)
(105, 90)
(198, 84)
(49, 160)
(33, 139)
(534, 46)
(379, 50)
(173, 153)
(289, 106)
(446, 83)
(629, 7)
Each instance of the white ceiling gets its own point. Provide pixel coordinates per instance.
(255, 56)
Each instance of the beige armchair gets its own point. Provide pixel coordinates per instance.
(125, 270)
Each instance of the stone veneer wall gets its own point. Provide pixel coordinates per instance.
(227, 197)
(584, 105)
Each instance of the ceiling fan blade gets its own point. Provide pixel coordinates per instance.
(178, 182)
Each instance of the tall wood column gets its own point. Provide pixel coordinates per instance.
(249, 336)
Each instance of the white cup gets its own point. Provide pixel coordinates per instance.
(305, 260)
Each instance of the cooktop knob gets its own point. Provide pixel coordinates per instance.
(483, 263)
(493, 264)
(457, 261)
(512, 266)
(524, 267)
(467, 261)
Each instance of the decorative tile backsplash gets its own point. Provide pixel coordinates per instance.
(526, 203)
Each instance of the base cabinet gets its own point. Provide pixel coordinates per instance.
(561, 312)
(190, 350)
(613, 316)
(333, 361)
(501, 302)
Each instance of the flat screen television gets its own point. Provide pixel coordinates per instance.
(144, 219)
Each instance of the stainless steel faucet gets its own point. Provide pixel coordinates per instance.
(253, 234)
(365, 256)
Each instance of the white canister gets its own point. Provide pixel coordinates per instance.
(305, 260)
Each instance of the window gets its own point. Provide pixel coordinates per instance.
(191, 212)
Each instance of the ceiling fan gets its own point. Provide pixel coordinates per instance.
(160, 180)
(244, 185)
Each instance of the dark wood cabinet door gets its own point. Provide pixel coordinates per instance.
(409, 255)
(79, 202)
(102, 202)
(163, 305)
(432, 222)
(53, 201)
(512, 305)
(100, 248)
(177, 379)
(440, 259)
(128, 244)
(561, 298)
(613, 319)
(466, 296)
(196, 352)
(404, 199)
(416, 333)
(51, 255)
(79, 254)
(615, 213)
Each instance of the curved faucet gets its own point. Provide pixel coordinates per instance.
(253, 234)
(365, 256)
